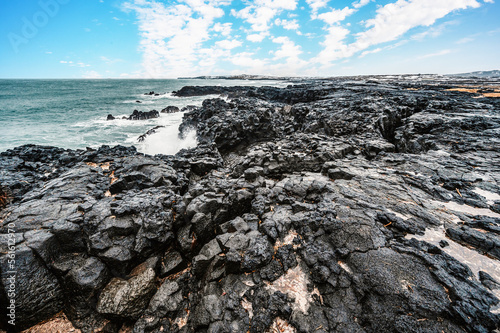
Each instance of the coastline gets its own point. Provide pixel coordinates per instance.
(305, 207)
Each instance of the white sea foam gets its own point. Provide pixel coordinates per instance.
(167, 141)
(134, 101)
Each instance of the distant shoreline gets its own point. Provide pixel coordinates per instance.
(478, 74)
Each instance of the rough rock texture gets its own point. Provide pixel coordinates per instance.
(143, 137)
(303, 209)
(143, 115)
(170, 109)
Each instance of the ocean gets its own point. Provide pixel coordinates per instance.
(72, 113)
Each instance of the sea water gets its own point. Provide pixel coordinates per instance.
(72, 113)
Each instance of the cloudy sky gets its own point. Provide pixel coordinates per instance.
(168, 39)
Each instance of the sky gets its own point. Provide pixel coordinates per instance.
(170, 39)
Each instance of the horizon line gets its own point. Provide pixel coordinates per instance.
(222, 77)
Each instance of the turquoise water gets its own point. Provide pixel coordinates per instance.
(72, 113)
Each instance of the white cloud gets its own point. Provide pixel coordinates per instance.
(316, 4)
(74, 64)
(228, 44)
(370, 52)
(395, 19)
(172, 35)
(288, 49)
(195, 37)
(245, 59)
(223, 28)
(209, 57)
(334, 46)
(260, 13)
(287, 24)
(91, 75)
(360, 3)
(336, 15)
(465, 40)
(437, 54)
(289, 52)
(390, 23)
(433, 31)
(257, 38)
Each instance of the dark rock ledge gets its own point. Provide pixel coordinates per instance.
(294, 214)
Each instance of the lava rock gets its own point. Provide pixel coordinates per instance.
(128, 298)
(140, 115)
(170, 109)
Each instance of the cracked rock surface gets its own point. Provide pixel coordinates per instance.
(345, 205)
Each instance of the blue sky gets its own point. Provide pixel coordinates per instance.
(168, 39)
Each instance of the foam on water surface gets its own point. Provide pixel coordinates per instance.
(72, 113)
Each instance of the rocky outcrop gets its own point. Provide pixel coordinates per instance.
(170, 109)
(140, 115)
(303, 209)
(188, 108)
(143, 137)
(189, 91)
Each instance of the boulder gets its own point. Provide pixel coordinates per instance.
(140, 115)
(127, 299)
(170, 109)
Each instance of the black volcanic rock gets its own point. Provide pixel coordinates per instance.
(38, 292)
(189, 91)
(143, 137)
(170, 109)
(319, 207)
(188, 108)
(140, 115)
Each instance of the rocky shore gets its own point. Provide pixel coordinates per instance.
(342, 205)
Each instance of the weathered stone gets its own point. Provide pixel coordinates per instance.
(320, 206)
(38, 294)
(127, 298)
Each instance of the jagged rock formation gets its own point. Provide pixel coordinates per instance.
(143, 115)
(143, 137)
(301, 210)
(170, 109)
